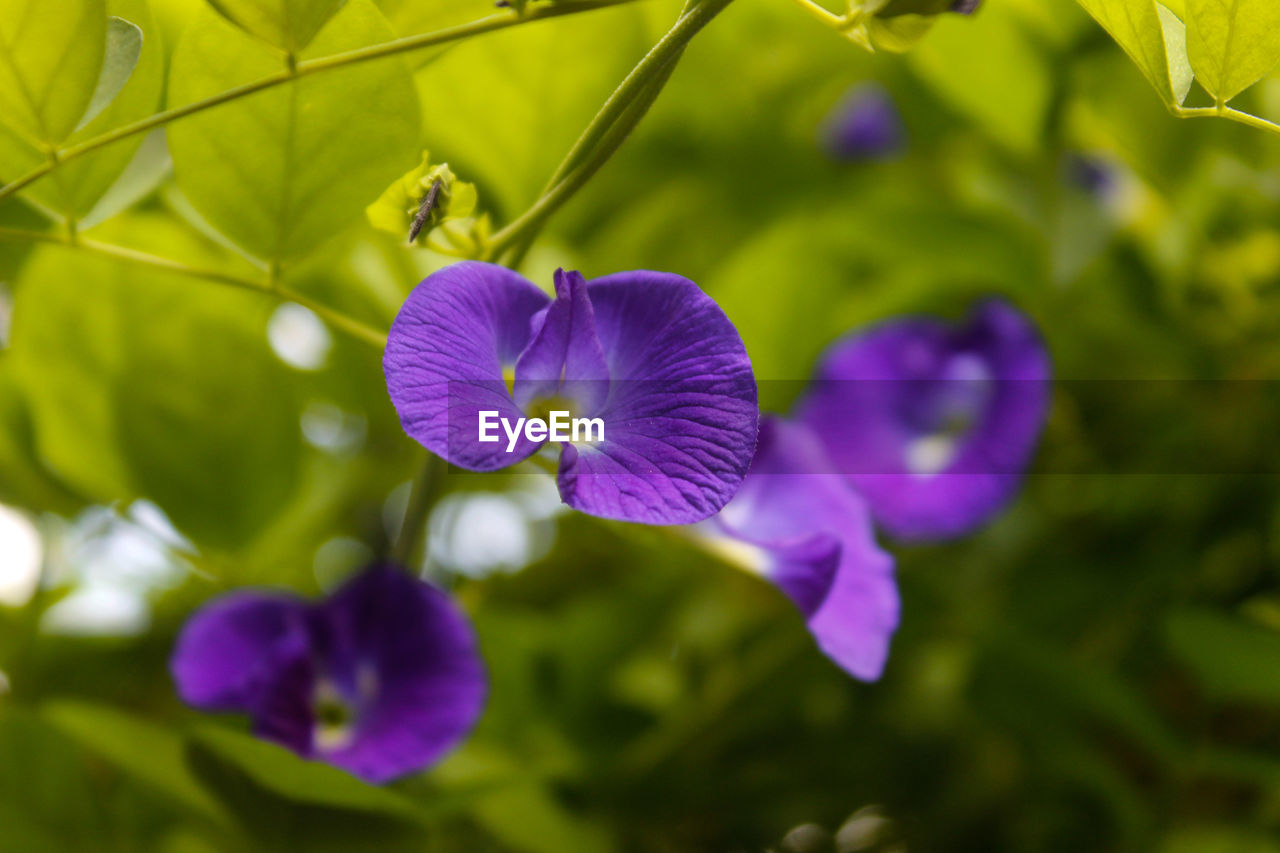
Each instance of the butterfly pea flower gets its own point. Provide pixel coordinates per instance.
(380, 679)
(864, 125)
(646, 360)
(804, 528)
(933, 423)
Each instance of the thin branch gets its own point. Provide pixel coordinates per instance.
(342, 321)
(303, 69)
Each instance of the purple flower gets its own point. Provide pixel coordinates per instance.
(864, 125)
(809, 532)
(381, 679)
(934, 424)
(647, 355)
(1092, 174)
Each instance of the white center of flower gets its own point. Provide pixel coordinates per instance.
(334, 717)
(931, 454)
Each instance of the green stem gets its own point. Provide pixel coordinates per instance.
(611, 125)
(666, 49)
(427, 489)
(1230, 114)
(822, 14)
(523, 230)
(121, 253)
(303, 69)
(335, 318)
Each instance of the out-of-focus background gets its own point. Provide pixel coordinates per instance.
(1098, 669)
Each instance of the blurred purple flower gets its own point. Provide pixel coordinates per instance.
(1092, 174)
(812, 536)
(648, 353)
(965, 7)
(381, 679)
(864, 125)
(933, 424)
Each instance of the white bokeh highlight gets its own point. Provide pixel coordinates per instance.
(298, 337)
(21, 556)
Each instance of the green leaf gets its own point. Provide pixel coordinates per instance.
(1232, 43)
(283, 170)
(288, 24)
(25, 481)
(970, 63)
(75, 187)
(145, 383)
(1231, 659)
(49, 64)
(146, 751)
(278, 770)
(124, 46)
(409, 17)
(517, 807)
(1175, 43)
(46, 786)
(1135, 25)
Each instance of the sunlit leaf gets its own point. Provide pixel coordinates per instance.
(1135, 25)
(124, 46)
(1175, 43)
(282, 170)
(288, 24)
(1232, 44)
(128, 89)
(49, 65)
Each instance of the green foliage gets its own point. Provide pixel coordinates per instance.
(147, 385)
(124, 46)
(282, 171)
(151, 753)
(1232, 45)
(970, 70)
(1097, 670)
(1136, 25)
(541, 85)
(283, 773)
(49, 66)
(287, 24)
(1231, 659)
(128, 88)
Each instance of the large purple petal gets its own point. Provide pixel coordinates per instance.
(565, 358)
(934, 424)
(681, 416)
(820, 547)
(445, 358)
(408, 657)
(232, 650)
